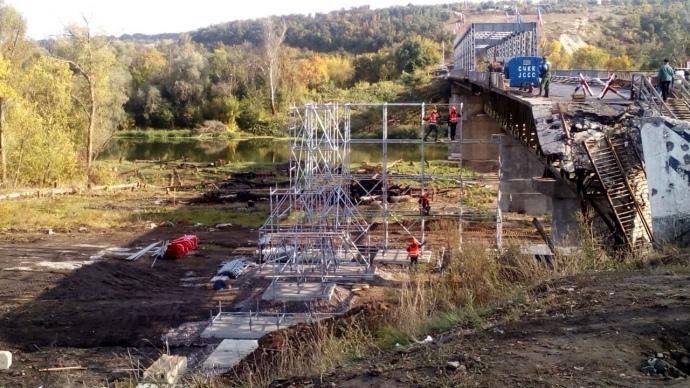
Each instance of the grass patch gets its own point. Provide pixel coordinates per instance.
(206, 215)
(117, 210)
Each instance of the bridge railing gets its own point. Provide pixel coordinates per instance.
(645, 93)
(477, 76)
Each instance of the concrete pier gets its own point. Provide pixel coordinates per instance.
(518, 167)
(565, 207)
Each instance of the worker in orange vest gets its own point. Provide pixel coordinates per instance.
(424, 204)
(452, 121)
(432, 118)
(413, 251)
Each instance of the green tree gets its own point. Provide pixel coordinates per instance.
(99, 85)
(415, 53)
(621, 62)
(13, 49)
(554, 51)
(590, 57)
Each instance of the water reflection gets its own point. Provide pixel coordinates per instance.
(258, 151)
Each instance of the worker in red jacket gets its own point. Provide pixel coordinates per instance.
(413, 251)
(452, 121)
(432, 119)
(424, 204)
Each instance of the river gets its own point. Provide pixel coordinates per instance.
(255, 151)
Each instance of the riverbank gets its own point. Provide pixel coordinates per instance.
(172, 134)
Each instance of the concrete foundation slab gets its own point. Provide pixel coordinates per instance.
(345, 270)
(399, 256)
(228, 326)
(298, 292)
(229, 353)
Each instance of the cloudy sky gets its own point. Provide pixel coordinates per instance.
(49, 17)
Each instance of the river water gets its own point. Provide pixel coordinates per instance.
(256, 151)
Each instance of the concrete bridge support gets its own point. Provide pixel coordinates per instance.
(517, 168)
(477, 129)
(565, 206)
(666, 145)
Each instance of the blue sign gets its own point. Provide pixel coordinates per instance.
(523, 71)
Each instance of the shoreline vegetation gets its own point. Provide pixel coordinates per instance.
(188, 134)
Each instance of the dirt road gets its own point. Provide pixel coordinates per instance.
(588, 330)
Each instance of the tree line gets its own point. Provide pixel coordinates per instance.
(61, 100)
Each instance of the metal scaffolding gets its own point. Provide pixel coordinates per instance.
(333, 221)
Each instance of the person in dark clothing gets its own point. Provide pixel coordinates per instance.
(545, 75)
(665, 78)
(424, 204)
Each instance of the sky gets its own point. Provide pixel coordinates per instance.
(46, 18)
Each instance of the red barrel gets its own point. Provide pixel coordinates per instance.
(178, 248)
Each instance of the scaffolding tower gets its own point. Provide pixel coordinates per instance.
(332, 218)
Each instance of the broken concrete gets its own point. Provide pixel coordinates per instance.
(666, 145)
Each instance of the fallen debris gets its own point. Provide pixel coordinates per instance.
(654, 366)
(219, 283)
(235, 268)
(138, 255)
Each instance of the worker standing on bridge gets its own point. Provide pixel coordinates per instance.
(452, 121)
(545, 75)
(432, 118)
(665, 78)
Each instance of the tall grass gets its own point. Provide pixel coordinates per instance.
(476, 280)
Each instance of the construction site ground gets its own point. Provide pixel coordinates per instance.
(58, 308)
(588, 330)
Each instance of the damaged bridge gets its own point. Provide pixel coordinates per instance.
(571, 155)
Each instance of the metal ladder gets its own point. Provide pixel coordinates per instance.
(614, 162)
(680, 103)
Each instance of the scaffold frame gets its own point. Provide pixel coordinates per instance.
(315, 225)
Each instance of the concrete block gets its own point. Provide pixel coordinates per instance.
(5, 359)
(167, 369)
(229, 353)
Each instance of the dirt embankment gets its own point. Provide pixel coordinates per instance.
(587, 330)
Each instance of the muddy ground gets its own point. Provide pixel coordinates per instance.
(581, 331)
(109, 315)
